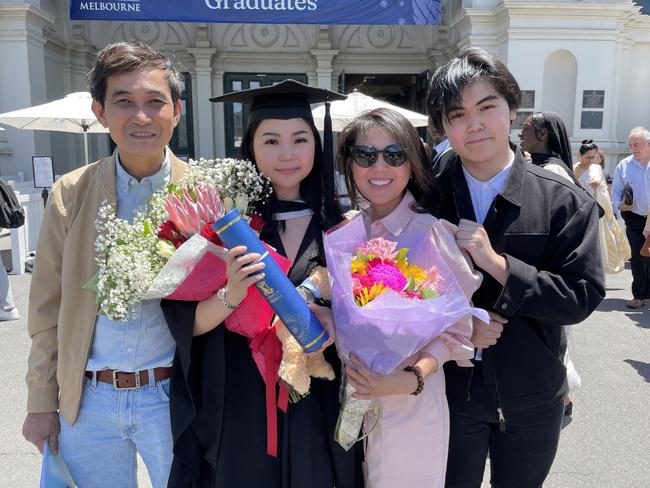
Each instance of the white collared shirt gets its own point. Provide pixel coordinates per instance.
(483, 192)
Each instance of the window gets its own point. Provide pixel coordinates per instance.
(236, 114)
(594, 102)
(526, 108)
(182, 142)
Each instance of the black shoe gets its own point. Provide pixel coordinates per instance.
(568, 409)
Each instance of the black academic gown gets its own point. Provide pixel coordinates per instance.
(218, 413)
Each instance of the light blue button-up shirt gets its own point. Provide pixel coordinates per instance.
(632, 172)
(143, 342)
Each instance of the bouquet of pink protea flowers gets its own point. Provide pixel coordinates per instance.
(390, 297)
(194, 255)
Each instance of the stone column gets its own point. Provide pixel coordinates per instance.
(324, 58)
(324, 55)
(218, 112)
(23, 79)
(621, 65)
(204, 128)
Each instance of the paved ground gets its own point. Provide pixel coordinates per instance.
(606, 445)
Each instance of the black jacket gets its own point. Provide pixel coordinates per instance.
(548, 231)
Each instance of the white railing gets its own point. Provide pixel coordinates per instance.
(20, 185)
(25, 187)
(25, 238)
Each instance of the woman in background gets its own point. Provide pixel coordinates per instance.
(614, 247)
(544, 136)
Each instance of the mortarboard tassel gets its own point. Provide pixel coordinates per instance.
(328, 169)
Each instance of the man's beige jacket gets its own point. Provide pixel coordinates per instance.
(62, 315)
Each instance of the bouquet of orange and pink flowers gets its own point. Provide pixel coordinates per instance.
(379, 266)
(390, 298)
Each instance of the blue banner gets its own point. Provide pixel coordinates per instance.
(386, 12)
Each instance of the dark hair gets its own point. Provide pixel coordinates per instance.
(128, 56)
(326, 208)
(422, 183)
(450, 80)
(586, 146)
(538, 123)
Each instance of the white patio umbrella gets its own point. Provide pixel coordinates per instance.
(343, 111)
(71, 113)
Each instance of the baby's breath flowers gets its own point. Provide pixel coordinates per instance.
(239, 182)
(127, 260)
(130, 256)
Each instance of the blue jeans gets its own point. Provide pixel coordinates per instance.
(100, 448)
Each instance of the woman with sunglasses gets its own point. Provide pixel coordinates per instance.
(388, 173)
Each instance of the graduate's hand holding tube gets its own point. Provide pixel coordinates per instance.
(275, 287)
(244, 270)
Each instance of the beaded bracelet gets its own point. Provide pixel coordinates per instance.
(418, 375)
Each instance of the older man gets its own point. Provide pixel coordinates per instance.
(99, 388)
(634, 173)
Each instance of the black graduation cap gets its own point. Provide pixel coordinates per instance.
(288, 100)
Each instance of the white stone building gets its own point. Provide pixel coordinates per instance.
(589, 60)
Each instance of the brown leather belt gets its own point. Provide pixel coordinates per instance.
(123, 380)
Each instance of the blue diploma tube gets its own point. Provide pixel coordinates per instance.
(276, 288)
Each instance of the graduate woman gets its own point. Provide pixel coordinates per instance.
(217, 397)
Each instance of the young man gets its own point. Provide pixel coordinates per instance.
(633, 171)
(535, 238)
(99, 388)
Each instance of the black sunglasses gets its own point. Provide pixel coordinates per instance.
(366, 156)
